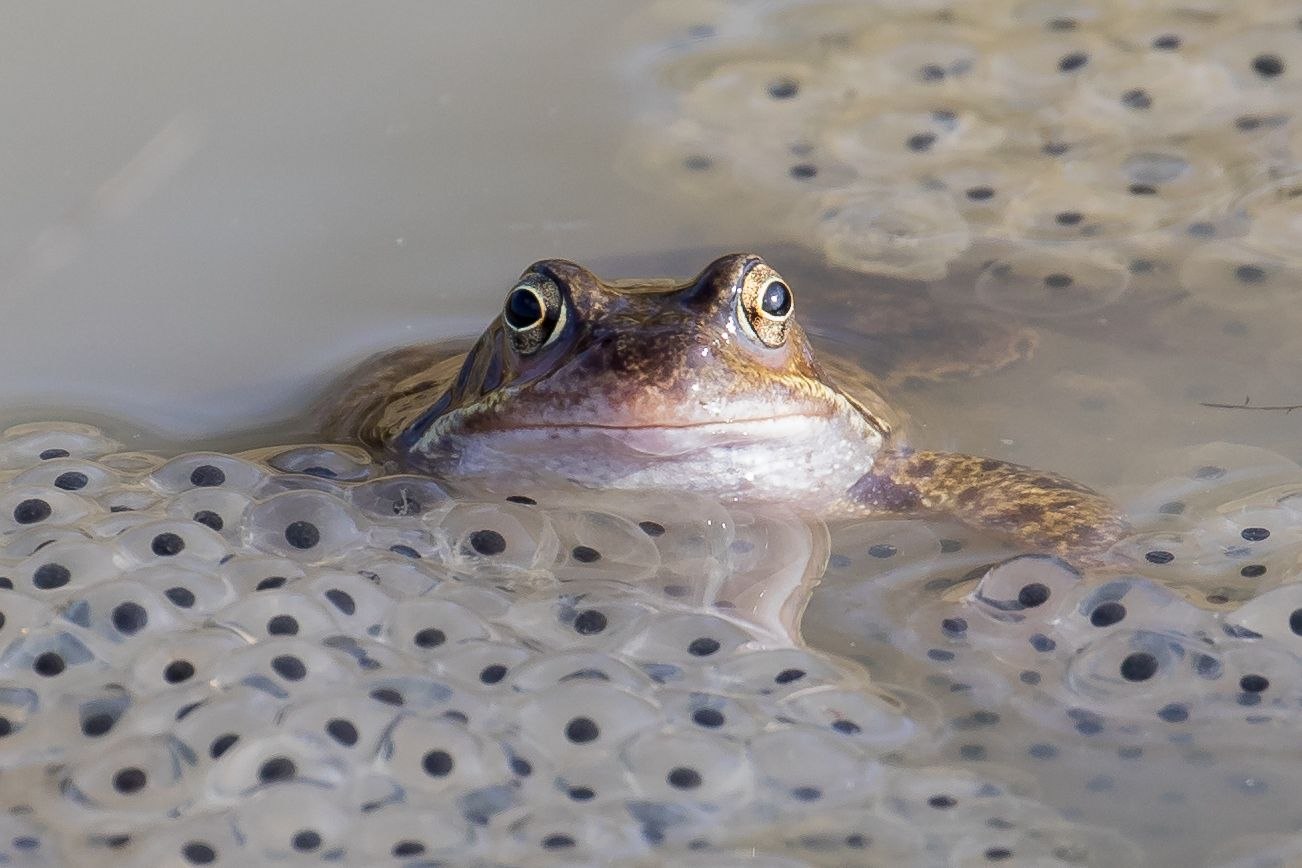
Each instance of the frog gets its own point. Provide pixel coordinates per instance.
(708, 386)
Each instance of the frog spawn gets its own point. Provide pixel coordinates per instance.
(289, 657)
(1169, 682)
(1009, 145)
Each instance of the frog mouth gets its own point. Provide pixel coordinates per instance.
(669, 426)
(666, 439)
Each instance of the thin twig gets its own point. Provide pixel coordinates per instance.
(1248, 405)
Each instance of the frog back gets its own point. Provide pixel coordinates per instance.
(385, 394)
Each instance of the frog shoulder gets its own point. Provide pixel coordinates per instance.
(365, 404)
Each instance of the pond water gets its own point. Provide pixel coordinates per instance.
(1056, 230)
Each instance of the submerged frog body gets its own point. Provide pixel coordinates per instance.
(707, 386)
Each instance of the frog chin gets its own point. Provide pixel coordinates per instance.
(796, 459)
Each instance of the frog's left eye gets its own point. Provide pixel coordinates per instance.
(764, 306)
(534, 314)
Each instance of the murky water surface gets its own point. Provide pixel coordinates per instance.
(1055, 230)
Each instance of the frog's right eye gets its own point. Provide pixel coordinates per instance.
(534, 314)
(524, 308)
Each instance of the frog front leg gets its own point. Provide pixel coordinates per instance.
(1034, 509)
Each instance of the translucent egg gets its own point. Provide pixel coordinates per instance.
(688, 640)
(295, 822)
(486, 665)
(586, 614)
(210, 838)
(217, 509)
(809, 769)
(354, 601)
(27, 542)
(207, 470)
(22, 743)
(938, 63)
(429, 628)
(187, 659)
(781, 671)
(210, 729)
(1261, 58)
(276, 614)
(125, 612)
(65, 500)
(25, 843)
(877, 721)
(192, 592)
(895, 141)
(254, 575)
(398, 832)
(20, 614)
(284, 668)
(351, 725)
(583, 718)
(604, 546)
(732, 94)
(487, 539)
(1039, 67)
(694, 765)
(1276, 614)
(1165, 30)
(64, 568)
(399, 497)
(1235, 275)
(277, 759)
(132, 463)
(543, 673)
(1125, 601)
(305, 526)
(348, 463)
(443, 757)
(560, 837)
(888, 230)
(1133, 669)
(1027, 591)
(183, 543)
(1052, 281)
(691, 710)
(25, 445)
(418, 692)
(138, 777)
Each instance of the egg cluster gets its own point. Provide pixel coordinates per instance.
(1063, 153)
(1160, 699)
(287, 656)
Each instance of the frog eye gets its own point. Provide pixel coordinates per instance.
(764, 306)
(534, 314)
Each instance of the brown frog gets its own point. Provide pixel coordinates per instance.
(708, 386)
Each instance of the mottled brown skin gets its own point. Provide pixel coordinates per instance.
(1032, 508)
(689, 385)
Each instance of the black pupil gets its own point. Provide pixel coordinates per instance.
(523, 308)
(777, 299)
